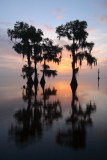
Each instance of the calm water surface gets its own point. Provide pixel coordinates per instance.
(53, 122)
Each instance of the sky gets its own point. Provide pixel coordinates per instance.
(47, 15)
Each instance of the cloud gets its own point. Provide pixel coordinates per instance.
(103, 62)
(91, 30)
(59, 17)
(5, 43)
(58, 13)
(62, 42)
(2, 32)
(47, 28)
(3, 35)
(97, 52)
(5, 23)
(41, 26)
(102, 19)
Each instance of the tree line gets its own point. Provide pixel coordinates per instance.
(29, 41)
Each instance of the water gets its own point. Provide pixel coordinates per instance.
(47, 126)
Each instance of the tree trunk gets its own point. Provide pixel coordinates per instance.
(30, 81)
(74, 83)
(36, 75)
(42, 82)
(29, 62)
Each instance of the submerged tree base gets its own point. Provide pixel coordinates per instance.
(30, 82)
(74, 84)
(36, 81)
(42, 81)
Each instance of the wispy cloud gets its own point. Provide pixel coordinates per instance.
(59, 13)
(42, 26)
(102, 19)
(59, 17)
(5, 44)
(97, 52)
(91, 30)
(102, 5)
(62, 42)
(2, 31)
(45, 27)
(5, 23)
(3, 28)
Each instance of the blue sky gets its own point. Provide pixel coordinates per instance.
(42, 11)
(48, 14)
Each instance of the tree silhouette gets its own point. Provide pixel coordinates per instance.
(26, 41)
(37, 58)
(50, 52)
(80, 49)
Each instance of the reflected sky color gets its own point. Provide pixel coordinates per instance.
(96, 135)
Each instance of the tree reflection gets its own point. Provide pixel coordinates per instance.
(40, 112)
(51, 110)
(75, 134)
(28, 119)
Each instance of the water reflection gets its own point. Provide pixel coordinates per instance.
(39, 113)
(51, 110)
(98, 78)
(75, 134)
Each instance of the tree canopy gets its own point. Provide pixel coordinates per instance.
(25, 38)
(76, 32)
